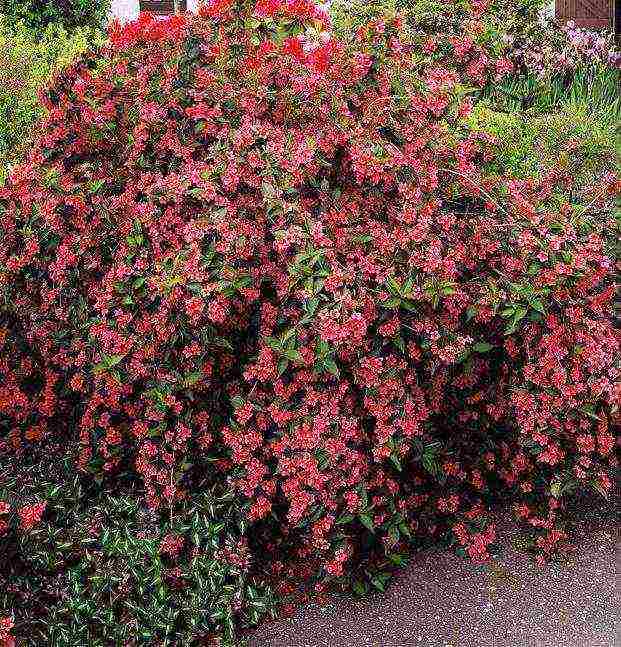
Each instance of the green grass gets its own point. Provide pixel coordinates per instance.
(593, 87)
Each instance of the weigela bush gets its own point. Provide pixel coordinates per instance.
(484, 31)
(245, 250)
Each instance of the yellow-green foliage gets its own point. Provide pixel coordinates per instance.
(38, 14)
(530, 143)
(28, 62)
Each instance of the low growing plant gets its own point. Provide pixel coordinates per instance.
(531, 144)
(108, 572)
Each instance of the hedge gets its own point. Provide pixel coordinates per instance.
(247, 256)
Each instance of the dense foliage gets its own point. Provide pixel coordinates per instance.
(118, 577)
(494, 24)
(531, 143)
(555, 66)
(39, 14)
(28, 61)
(247, 254)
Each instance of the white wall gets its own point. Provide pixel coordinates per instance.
(126, 10)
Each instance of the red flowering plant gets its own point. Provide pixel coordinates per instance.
(463, 34)
(243, 249)
(6, 625)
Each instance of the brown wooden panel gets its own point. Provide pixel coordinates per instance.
(594, 9)
(590, 14)
(160, 7)
(565, 9)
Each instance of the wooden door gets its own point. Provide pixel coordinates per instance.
(161, 7)
(589, 14)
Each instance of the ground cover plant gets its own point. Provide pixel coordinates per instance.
(273, 312)
(99, 569)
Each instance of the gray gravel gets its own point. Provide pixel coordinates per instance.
(441, 600)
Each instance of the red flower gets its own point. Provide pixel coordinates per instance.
(292, 46)
(31, 515)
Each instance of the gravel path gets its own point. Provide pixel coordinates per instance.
(441, 600)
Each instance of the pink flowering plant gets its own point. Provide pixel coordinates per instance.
(554, 65)
(249, 253)
(560, 64)
(563, 48)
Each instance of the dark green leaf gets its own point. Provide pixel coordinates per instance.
(367, 521)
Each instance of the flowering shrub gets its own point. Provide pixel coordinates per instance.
(465, 34)
(6, 625)
(246, 251)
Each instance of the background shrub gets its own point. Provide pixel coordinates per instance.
(38, 14)
(29, 60)
(530, 144)
(436, 16)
